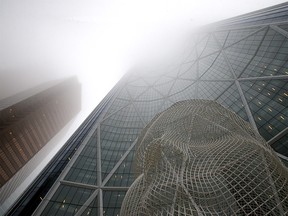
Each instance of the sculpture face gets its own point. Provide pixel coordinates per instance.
(198, 158)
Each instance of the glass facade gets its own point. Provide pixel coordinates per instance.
(240, 63)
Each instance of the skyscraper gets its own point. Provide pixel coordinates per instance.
(241, 63)
(29, 120)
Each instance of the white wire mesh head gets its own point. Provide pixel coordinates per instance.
(198, 158)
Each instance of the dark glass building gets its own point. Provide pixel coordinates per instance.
(242, 63)
(28, 121)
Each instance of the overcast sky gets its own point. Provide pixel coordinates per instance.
(99, 40)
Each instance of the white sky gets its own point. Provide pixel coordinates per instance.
(99, 40)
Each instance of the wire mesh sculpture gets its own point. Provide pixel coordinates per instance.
(198, 158)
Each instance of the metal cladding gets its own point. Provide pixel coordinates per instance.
(199, 158)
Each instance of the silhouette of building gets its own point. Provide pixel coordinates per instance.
(28, 121)
(241, 63)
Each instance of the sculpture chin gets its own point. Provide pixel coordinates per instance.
(199, 158)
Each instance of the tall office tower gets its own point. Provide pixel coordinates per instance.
(28, 121)
(241, 63)
(198, 158)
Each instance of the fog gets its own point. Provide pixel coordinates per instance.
(98, 40)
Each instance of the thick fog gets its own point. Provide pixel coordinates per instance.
(98, 40)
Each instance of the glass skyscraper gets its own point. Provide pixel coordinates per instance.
(242, 63)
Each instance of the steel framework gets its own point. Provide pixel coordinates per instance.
(199, 158)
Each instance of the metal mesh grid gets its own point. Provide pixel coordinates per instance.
(198, 158)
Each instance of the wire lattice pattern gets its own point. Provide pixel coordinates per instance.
(198, 158)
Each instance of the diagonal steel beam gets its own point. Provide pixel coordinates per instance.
(118, 164)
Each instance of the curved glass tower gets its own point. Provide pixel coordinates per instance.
(241, 63)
